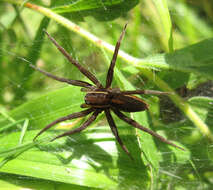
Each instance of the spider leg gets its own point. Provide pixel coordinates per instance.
(82, 127)
(84, 71)
(112, 64)
(69, 81)
(155, 92)
(137, 125)
(115, 132)
(68, 117)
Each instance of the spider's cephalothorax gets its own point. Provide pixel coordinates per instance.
(107, 98)
(103, 98)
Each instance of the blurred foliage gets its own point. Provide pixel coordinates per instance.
(92, 160)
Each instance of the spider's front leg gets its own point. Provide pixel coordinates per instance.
(60, 79)
(112, 64)
(83, 70)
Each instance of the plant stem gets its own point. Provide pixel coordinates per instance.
(183, 105)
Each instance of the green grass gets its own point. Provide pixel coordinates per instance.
(168, 46)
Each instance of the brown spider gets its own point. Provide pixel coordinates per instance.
(100, 98)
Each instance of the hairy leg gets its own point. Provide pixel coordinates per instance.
(82, 127)
(69, 81)
(84, 71)
(112, 64)
(137, 125)
(68, 117)
(115, 132)
(154, 92)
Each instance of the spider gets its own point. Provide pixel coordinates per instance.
(100, 98)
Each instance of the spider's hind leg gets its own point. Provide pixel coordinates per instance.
(115, 132)
(82, 127)
(138, 126)
(68, 117)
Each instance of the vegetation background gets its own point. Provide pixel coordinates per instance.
(168, 46)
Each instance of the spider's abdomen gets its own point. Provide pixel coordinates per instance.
(128, 103)
(98, 99)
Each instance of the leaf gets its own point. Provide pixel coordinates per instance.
(35, 50)
(81, 5)
(86, 159)
(189, 22)
(7, 183)
(165, 19)
(32, 57)
(203, 107)
(197, 58)
(57, 104)
(101, 10)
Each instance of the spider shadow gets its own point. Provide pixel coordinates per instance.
(79, 147)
